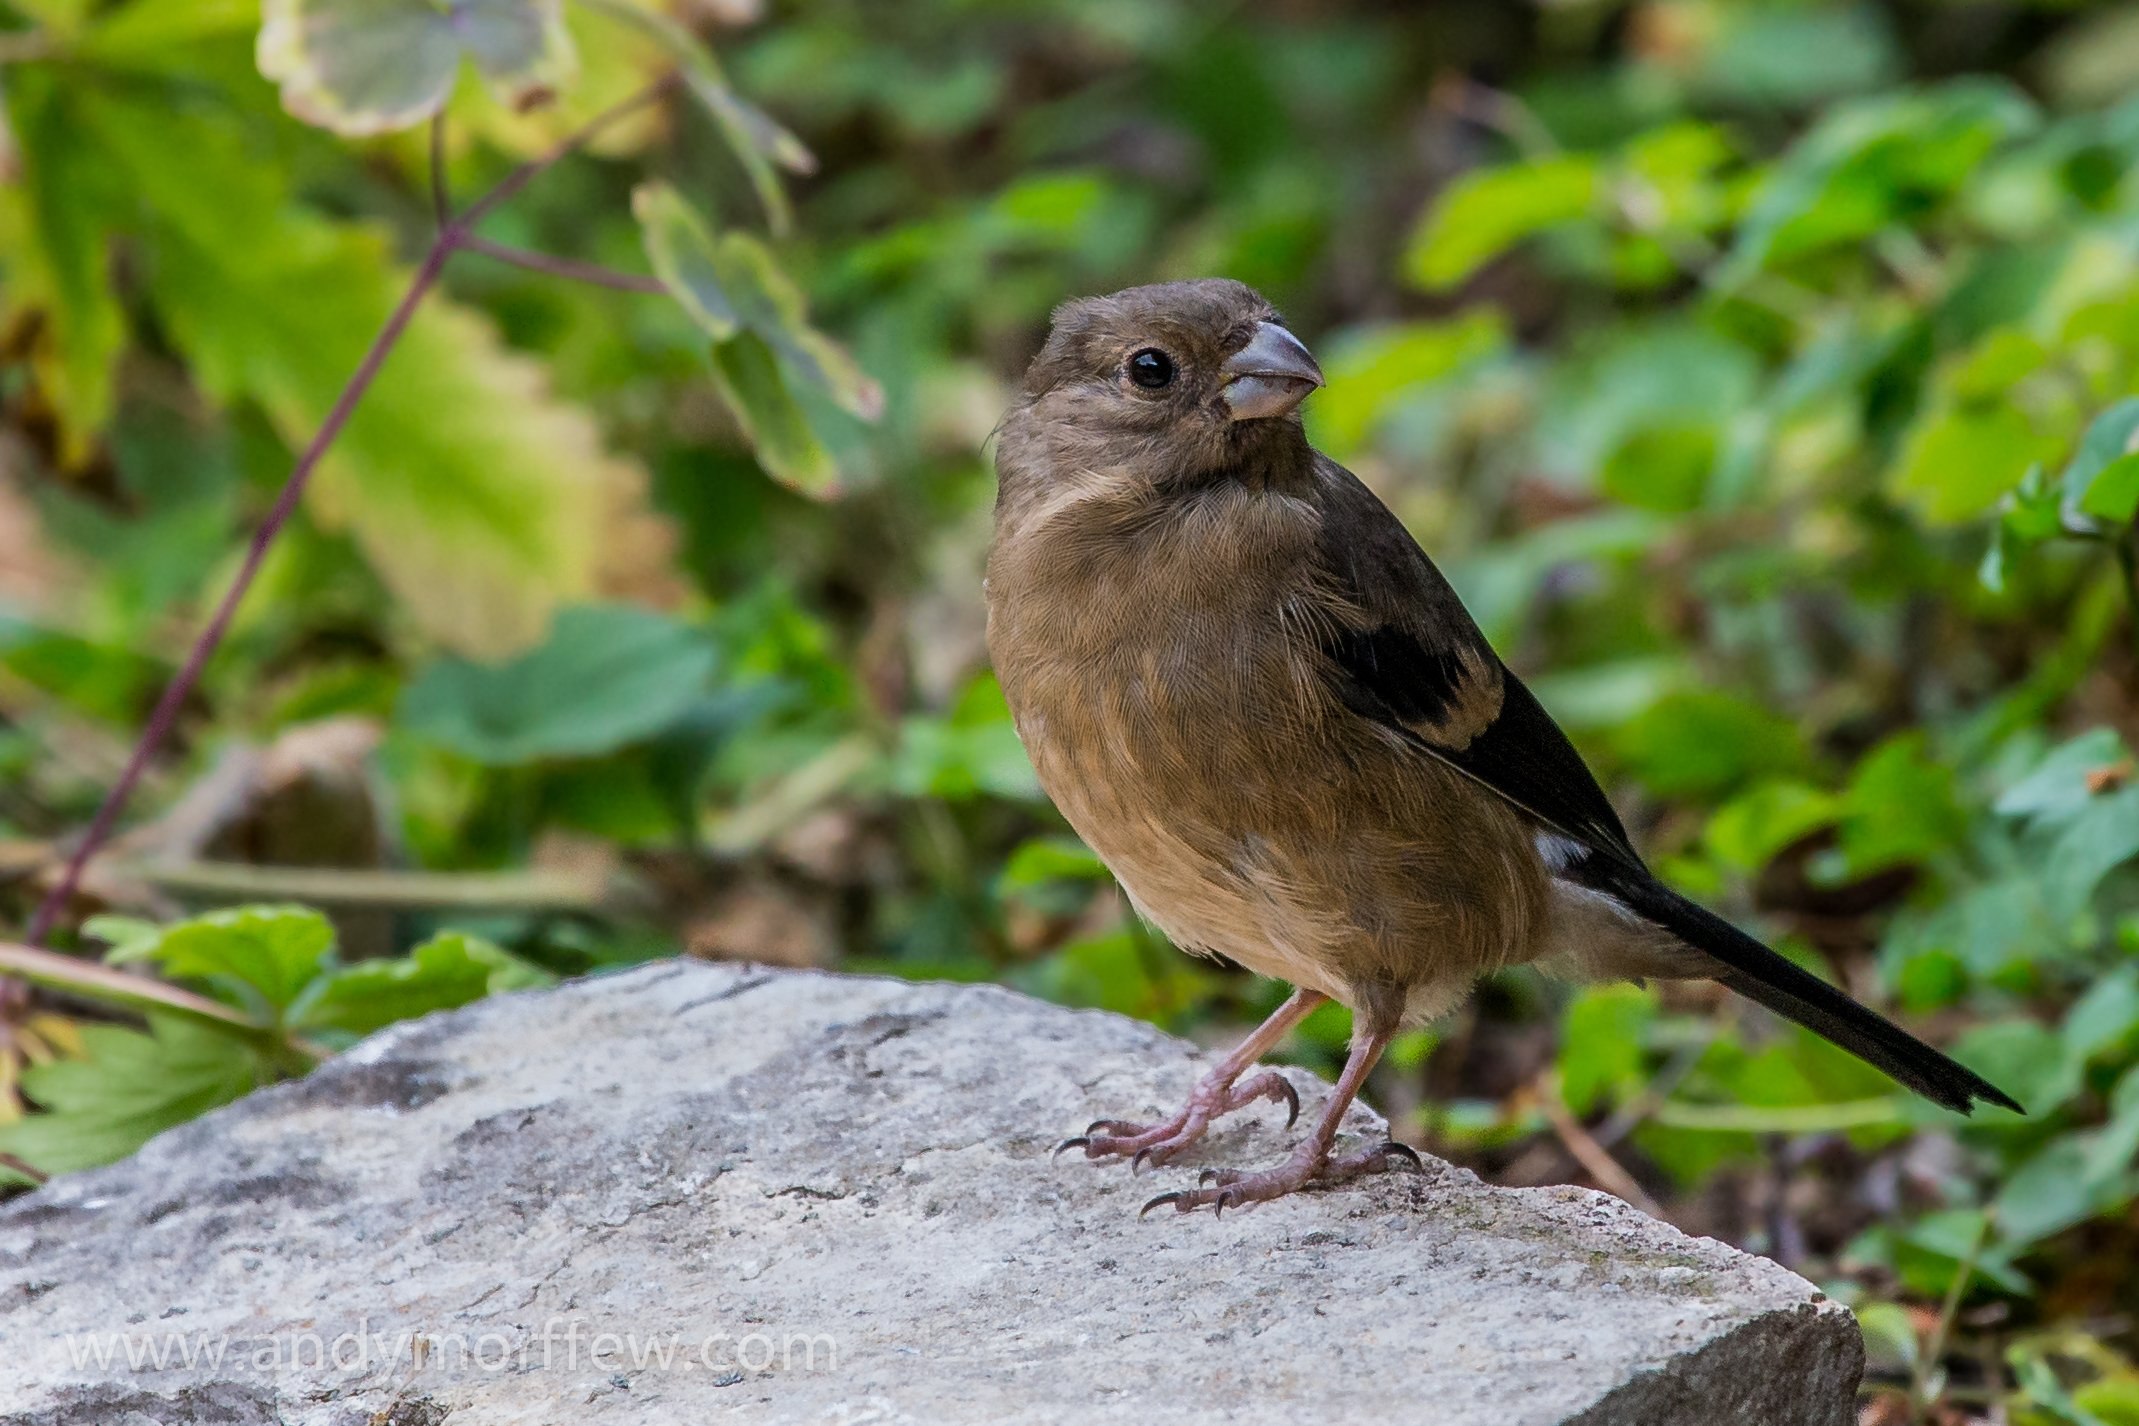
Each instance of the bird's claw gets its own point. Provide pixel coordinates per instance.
(1220, 1189)
(1174, 1198)
(1404, 1152)
(1080, 1141)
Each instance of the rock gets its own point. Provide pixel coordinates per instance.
(696, 1192)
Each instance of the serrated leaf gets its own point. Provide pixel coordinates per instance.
(53, 228)
(362, 67)
(1487, 211)
(272, 952)
(607, 676)
(125, 1089)
(449, 970)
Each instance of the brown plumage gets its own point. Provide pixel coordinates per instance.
(1259, 702)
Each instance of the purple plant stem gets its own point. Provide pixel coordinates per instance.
(565, 267)
(451, 237)
(165, 717)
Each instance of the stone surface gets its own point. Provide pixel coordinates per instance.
(510, 1213)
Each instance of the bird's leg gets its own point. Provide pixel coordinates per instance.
(1312, 1162)
(1220, 1092)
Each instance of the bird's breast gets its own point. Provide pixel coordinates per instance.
(1166, 676)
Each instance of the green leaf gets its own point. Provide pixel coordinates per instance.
(273, 952)
(974, 751)
(53, 221)
(1901, 806)
(2024, 1059)
(2100, 839)
(1039, 861)
(2056, 789)
(733, 284)
(125, 1089)
(449, 970)
(2054, 1191)
(749, 379)
(370, 66)
(1748, 831)
(764, 350)
(1700, 743)
(2105, 1017)
(1487, 211)
(2103, 478)
(1603, 1038)
(1870, 163)
(1958, 460)
(609, 675)
(1118, 972)
(1377, 372)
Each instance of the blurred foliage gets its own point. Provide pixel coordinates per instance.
(1766, 375)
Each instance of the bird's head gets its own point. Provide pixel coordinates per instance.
(1174, 383)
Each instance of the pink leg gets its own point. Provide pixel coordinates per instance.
(1312, 1162)
(1216, 1094)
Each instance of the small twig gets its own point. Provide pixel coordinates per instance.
(1494, 109)
(413, 890)
(165, 716)
(28, 1171)
(97, 981)
(520, 177)
(1609, 1173)
(566, 267)
(1934, 1346)
(1631, 1115)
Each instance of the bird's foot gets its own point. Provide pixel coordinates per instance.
(1143, 1144)
(1311, 1166)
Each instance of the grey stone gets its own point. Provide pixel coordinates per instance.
(844, 1183)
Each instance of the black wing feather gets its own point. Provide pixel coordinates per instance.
(1405, 670)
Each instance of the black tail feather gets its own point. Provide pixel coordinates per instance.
(1758, 973)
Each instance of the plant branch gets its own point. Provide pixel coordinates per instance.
(565, 267)
(142, 994)
(526, 173)
(405, 890)
(29, 1171)
(453, 235)
(165, 716)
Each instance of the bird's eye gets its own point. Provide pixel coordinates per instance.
(1151, 369)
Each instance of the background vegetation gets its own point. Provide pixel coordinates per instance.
(1766, 375)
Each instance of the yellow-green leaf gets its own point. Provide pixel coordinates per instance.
(480, 498)
(370, 66)
(1488, 211)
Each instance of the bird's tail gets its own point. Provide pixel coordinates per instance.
(1758, 973)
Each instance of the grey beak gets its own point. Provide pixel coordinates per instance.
(1270, 375)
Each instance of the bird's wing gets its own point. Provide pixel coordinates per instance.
(1405, 653)
(1412, 658)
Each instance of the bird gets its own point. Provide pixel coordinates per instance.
(1258, 701)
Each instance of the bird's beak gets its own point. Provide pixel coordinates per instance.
(1270, 375)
